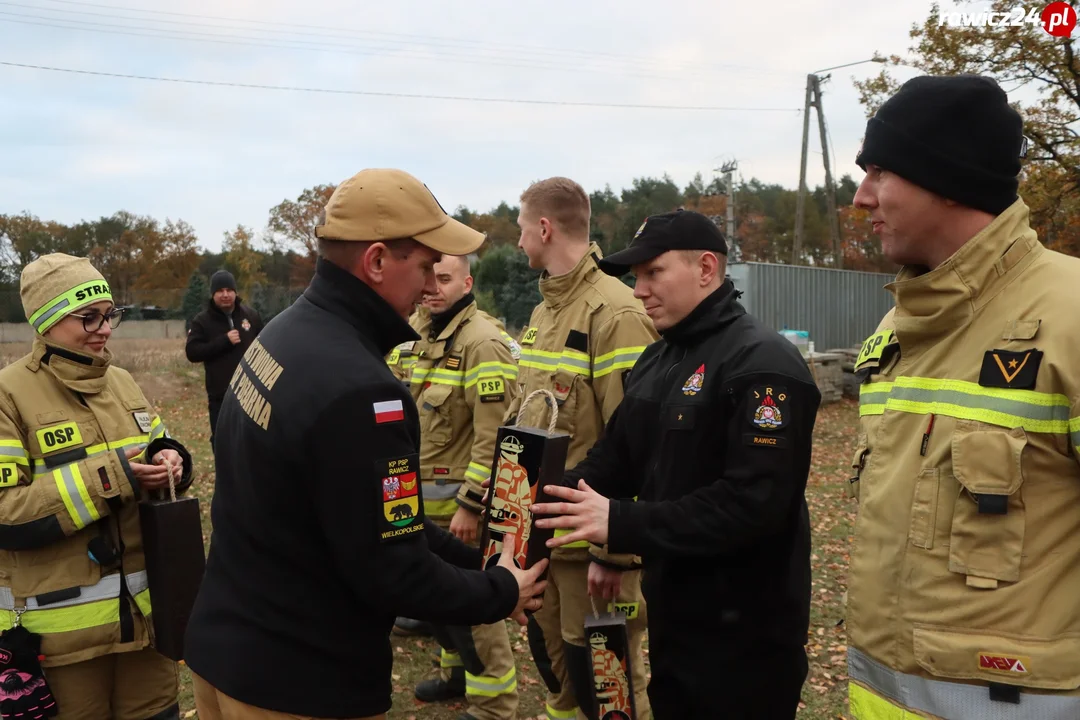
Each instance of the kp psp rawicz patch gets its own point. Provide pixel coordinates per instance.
(399, 496)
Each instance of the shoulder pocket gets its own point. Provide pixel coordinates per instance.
(987, 535)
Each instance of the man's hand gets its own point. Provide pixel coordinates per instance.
(234, 336)
(604, 582)
(585, 512)
(153, 477)
(530, 591)
(464, 524)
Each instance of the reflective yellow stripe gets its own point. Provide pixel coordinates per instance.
(142, 600)
(559, 532)
(490, 687)
(56, 309)
(66, 619)
(490, 369)
(450, 660)
(438, 376)
(13, 451)
(1033, 411)
(440, 508)
(570, 360)
(1074, 432)
(554, 714)
(477, 472)
(618, 359)
(92, 450)
(157, 429)
(865, 705)
(76, 499)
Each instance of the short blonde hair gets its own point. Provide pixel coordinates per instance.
(562, 201)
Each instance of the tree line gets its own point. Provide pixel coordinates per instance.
(157, 267)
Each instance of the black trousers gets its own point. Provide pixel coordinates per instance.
(215, 408)
(727, 682)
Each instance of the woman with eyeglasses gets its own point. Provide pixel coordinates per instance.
(79, 445)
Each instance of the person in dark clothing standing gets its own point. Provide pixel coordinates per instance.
(219, 337)
(320, 536)
(713, 437)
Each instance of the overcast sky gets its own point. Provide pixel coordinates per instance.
(76, 147)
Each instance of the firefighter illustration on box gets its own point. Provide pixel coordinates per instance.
(510, 504)
(609, 676)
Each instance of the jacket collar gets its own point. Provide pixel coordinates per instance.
(935, 302)
(711, 314)
(348, 297)
(564, 289)
(446, 324)
(80, 372)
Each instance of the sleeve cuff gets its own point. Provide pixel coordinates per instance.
(508, 593)
(627, 520)
(167, 443)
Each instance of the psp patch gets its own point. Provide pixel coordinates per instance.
(492, 389)
(399, 494)
(1009, 369)
(768, 407)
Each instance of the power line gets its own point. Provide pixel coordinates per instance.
(296, 44)
(422, 96)
(560, 54)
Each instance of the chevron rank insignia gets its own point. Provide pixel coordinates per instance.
(1010, 369)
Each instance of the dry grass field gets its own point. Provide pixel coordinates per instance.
(176, 388)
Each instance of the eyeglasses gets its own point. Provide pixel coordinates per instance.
(92, 321)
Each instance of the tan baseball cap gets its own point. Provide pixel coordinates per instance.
(385, 204)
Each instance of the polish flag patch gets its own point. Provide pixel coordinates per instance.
(389, 411)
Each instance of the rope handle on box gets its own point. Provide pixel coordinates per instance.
(552, 402)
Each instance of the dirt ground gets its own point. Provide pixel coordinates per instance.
(176, 388)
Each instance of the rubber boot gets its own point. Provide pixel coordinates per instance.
(409, 627)
(439, 690)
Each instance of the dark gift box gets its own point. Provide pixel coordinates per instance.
(609, 651)
(175, 560)
(526, 459)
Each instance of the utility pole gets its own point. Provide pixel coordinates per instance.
(813, 100)
(830, 189)
(729, 169)
(800, 202)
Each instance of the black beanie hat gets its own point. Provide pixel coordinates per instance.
(955, 136)
(220, 280)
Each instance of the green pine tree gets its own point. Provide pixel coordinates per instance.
(198, 292)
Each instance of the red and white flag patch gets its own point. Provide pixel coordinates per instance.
(388, 411)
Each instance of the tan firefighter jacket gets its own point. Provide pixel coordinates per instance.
(965, 569)
(401, 359)
(580, 341)
(463, 380)
(66, 492)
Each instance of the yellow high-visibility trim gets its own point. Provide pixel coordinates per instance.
(1028, 409)
(477, 472)
(449, 659)
(490, 687)
(66, 619)
(61, 486)
(865, 705)
(559, 532)
(58, 308)
(84, 494)
(14, 452)
(617, 359)
(554, 714)
(440, 508)
(571, 360)
(142, 600)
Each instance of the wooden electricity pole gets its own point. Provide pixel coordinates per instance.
(813, 100)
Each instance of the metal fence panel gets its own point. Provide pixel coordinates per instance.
(839, 308)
